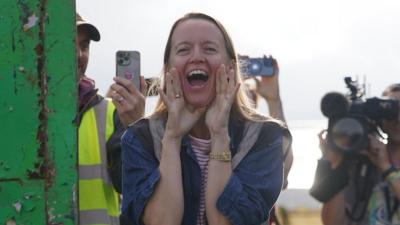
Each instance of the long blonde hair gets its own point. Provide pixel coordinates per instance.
(242, 107)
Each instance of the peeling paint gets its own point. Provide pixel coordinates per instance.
(13, 41)
(28, 196)
(15, 80)
(17, 206)
(32, 21)
(18, 180)
(32, 80)
(41, 154)
(11, 222)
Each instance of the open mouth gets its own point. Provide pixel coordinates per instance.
(197, 78)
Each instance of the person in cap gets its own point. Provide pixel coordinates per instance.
(101, 125)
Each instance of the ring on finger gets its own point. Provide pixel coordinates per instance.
(177, 96)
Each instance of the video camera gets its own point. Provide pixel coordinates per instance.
(352, 117)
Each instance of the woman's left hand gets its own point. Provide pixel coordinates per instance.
(217, 116)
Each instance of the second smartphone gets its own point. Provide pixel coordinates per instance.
(128, 66)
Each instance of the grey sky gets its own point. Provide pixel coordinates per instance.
(316, 42)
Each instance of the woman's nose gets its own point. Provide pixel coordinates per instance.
(197, 56)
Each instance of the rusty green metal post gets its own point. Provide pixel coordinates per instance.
(38, 175)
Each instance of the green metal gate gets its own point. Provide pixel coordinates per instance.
(38, 175)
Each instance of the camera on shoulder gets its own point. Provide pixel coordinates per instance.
(353, 117)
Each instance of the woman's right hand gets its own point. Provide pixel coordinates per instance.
(181, 117)
(268, 86)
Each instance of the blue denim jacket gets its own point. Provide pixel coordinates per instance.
(248, 196)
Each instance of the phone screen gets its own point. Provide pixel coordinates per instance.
(128, 66)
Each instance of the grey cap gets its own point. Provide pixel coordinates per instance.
(94, 34)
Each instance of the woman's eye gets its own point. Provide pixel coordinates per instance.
(182, 50)
(210, 49)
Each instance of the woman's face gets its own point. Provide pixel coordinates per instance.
(197, 51)
(392, 127)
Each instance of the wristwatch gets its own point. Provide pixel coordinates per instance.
(224, 156)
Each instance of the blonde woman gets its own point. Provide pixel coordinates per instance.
(204, 156)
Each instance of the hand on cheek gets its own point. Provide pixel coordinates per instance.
(217, 116)
(181, 118)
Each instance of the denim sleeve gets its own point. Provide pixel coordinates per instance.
(254, 186)
(140, 174)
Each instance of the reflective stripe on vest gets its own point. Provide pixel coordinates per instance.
(98, 201)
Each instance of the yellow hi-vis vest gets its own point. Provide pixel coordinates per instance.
(98, 200)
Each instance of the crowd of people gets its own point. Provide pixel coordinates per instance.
(206, 155)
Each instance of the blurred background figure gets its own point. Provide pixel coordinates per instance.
(265, 87)
(362, 186)
(99, 136)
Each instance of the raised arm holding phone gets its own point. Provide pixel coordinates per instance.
(265, 73)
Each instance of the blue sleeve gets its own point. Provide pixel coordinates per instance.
(140, 174)
(254, 186)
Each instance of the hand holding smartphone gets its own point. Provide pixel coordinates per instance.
(128, 66)
(256, 66)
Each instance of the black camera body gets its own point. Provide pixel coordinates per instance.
(353, 118)
(256, 66)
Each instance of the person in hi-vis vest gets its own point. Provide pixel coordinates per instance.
(100, 130)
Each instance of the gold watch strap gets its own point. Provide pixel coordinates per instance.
(224, 156)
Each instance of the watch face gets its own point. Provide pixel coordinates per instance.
(221, 156)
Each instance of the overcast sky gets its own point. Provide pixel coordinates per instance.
(316, 42)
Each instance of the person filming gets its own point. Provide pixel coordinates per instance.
(362, 188)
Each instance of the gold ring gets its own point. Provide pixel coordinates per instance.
(177, 96)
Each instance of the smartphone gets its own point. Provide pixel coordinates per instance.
(128, 66)
(256, 66)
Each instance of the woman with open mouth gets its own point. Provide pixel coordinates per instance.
(205, 156)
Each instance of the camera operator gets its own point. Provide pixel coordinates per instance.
(374, 200)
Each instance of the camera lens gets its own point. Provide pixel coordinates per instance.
(255, 67)
(348, 134)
